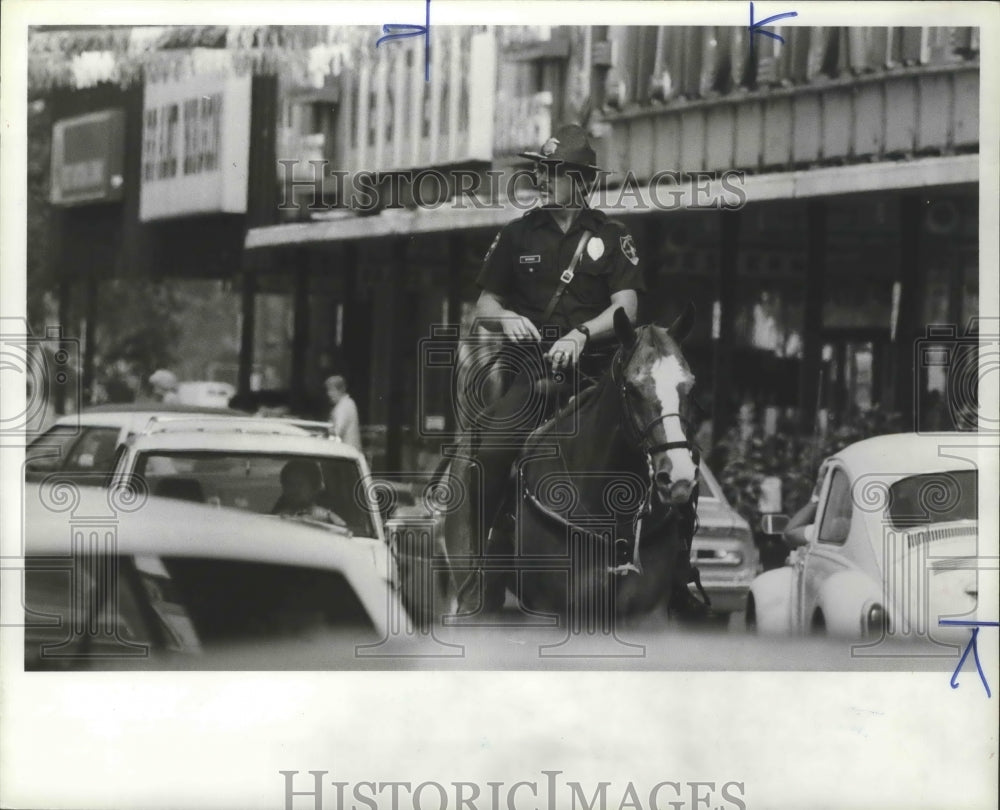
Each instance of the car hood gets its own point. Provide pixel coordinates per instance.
(713, 514)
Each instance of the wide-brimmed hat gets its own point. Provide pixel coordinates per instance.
(569, 145)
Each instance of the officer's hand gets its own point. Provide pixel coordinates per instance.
(518, 328)
(566, 351)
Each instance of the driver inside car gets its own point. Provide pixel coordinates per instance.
(301, 483)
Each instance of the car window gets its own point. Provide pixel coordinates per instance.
(252, 482)
(95, 452)
(74, 620)
(45, 454)
(237, 600)
(836, 521)
(933, 498)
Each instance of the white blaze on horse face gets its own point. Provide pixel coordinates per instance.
(668, 375)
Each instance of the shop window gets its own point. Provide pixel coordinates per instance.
(853, 371)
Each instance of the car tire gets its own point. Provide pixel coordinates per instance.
(817, 627)
(750, 617)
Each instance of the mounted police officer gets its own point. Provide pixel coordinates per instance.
(550, 284)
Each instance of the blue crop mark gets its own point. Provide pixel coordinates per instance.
(406, 30)
(972, 647)
(758, 27)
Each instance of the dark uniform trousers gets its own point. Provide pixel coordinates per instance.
(532, 397)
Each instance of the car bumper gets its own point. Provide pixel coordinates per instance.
(728, 593)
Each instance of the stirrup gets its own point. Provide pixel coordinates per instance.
(629, 564)
(624, 568)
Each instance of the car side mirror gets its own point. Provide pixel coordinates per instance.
(799, 536)
(773, 524)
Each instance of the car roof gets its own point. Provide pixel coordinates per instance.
(165, 407)
(136, 418)
(196, 423)
(163, 526)
(900, 454)
(282, 441)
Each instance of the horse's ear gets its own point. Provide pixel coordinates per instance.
(681, 327)
(624, 328)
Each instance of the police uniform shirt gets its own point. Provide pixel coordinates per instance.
(528, 256)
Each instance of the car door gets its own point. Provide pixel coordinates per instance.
(824, 555)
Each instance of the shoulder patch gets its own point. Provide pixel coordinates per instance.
(628, 248)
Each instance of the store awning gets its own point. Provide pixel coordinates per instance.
(821, 182)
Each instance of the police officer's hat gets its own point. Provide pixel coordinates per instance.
(569, 146)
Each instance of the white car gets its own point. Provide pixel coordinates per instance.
(206, 393)
(112, 583)
(82, 446)
(238, 463)
(891, 550)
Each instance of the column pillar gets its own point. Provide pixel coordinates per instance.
(249, 315)
(91, 286)
(723, 405)
(908, 321)
(812, 327)
(396, 305)
(300, 332)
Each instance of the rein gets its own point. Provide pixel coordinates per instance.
(640, 440)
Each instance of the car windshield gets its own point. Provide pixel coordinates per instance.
(253, 482)
(933, 498)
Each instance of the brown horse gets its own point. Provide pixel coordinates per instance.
(614, 465)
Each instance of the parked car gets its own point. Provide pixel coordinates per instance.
(316, 428)
(891, 547)
(169, 583)
(206, 393)
(82, 446)
(723, 549)
(238, 463)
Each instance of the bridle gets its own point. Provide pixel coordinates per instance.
(641, 438)
(642, 441)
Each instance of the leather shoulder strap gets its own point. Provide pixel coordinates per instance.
(567, 276)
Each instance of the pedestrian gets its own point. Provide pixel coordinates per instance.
(344, 414)
(163, 383)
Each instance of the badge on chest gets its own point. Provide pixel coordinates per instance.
(530, 260)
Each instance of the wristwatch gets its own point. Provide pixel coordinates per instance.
(582, 328)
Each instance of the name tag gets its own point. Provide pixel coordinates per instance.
(531, 259)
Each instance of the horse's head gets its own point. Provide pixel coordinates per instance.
(654, 381)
